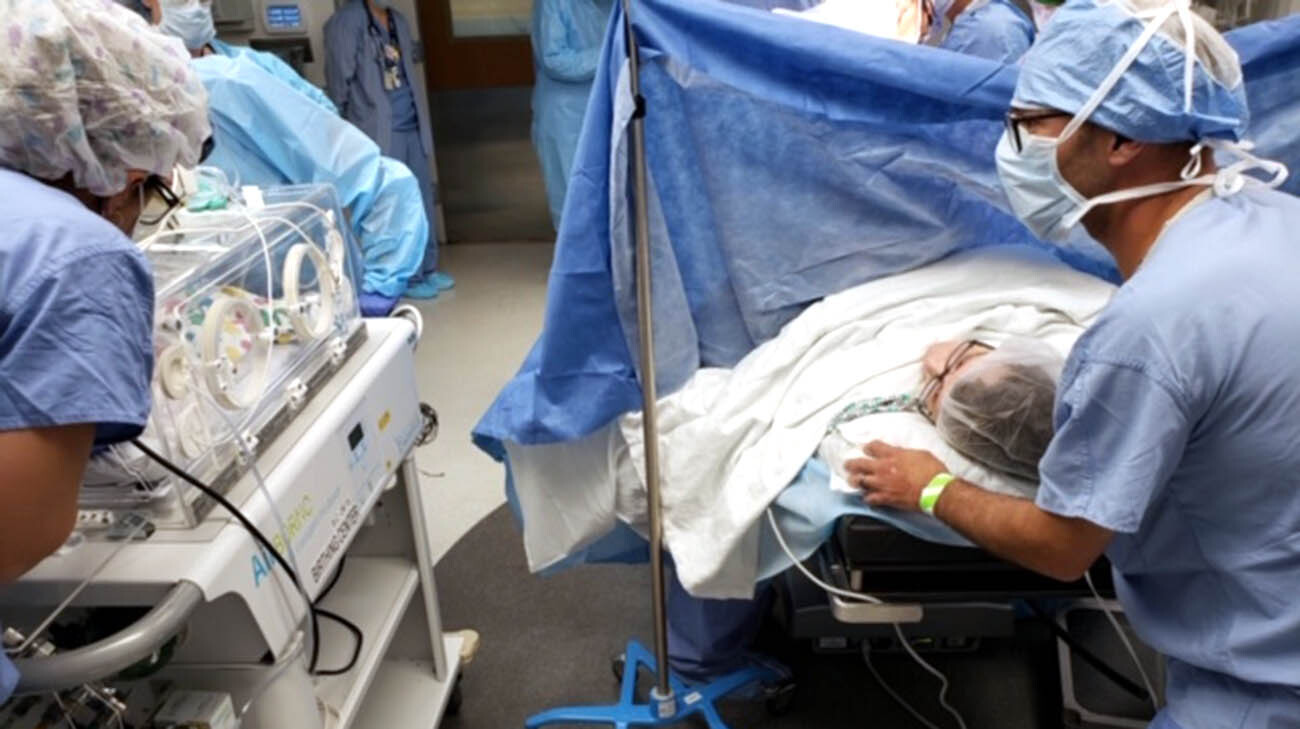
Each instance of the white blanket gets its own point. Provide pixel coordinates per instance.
(893, 19)
(733, 438)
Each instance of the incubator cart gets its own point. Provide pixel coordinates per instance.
(274, 395)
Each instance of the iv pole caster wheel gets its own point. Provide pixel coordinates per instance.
(617, 666)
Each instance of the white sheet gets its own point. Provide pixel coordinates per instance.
(893, 19)
(732, 439)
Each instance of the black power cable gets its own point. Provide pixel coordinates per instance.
(1092, 659)
(313, 612)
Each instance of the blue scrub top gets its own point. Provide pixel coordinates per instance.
(8, 677)
(76, 316)
(992, 29)
(1178, 427)
(76, 322)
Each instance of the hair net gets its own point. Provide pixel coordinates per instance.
(1087, 40)
(87, 87)
(998, 412)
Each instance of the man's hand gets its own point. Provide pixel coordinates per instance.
(893, 476)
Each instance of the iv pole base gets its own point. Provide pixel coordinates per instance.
(629, 713)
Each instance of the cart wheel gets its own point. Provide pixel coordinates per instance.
(617, 666)
(779, 699)
(454, 701)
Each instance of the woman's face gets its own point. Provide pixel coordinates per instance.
(943, 363)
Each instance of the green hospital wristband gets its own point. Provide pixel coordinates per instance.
(930, 494)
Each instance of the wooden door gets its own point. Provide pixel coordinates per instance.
(467, 47)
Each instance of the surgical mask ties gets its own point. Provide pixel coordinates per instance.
(1225, 182)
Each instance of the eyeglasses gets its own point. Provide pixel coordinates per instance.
(153, 188)
(959, 354)
(1016, 117)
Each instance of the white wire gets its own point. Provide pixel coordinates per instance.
(871, 666)
(294, 655)
(145, 243)
(1128, 645)
(289, 553)
(943, 680)
(907, 646)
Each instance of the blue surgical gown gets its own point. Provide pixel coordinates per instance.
(992, 29)
(76, 322)
(1178, 428)
(567, 39)
(276, 66)
(269, 135)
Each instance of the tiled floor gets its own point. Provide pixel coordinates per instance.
(475, 338)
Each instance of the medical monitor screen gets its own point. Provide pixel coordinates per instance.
(283, 17)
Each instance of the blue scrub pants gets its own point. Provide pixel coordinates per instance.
(407, 148)
(707, 638)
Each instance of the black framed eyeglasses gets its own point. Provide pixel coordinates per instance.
(154, 187)
(959, 354)
(1016, 117)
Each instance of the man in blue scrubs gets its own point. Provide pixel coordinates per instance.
(76, 297)
(1177, 444)
(370, 75)
(992, 29)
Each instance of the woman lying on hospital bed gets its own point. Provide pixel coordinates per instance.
(736, 441)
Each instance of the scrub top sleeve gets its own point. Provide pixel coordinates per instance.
(562, 59)
(1119, 436)
(79, 347)
(343, 47)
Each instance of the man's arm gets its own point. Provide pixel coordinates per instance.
(1013, 529)
(40, 472)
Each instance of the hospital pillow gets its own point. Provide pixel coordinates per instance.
(909, 430)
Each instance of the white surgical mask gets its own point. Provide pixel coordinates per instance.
(1038, 194)
(1050, 207)
(191, 22)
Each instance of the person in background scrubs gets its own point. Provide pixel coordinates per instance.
(567, 37)
(992, 29)
(77, 157)
(268, 135)
(370, 75)
(1178, 413)
(191, 21)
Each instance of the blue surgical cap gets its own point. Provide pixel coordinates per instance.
(1087, 39)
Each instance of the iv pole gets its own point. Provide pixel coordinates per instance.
(663, 707)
